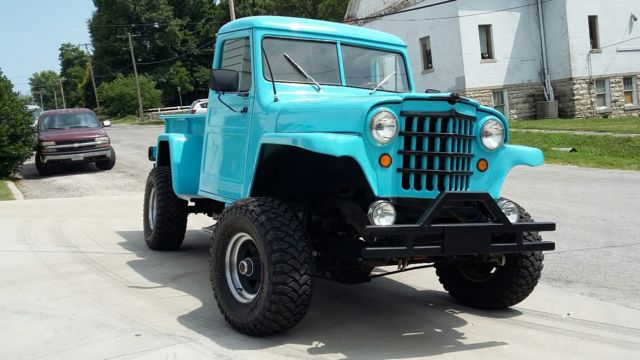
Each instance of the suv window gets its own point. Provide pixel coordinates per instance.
(318, 58)
(236, 55)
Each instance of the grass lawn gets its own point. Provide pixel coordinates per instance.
(626, 125)
(599, 151)
(133, 120)
(5, 193)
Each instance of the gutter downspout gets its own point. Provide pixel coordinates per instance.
(547, 81)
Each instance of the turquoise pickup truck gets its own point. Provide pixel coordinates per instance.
(318, 158)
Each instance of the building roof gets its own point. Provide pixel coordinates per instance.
(310, 26)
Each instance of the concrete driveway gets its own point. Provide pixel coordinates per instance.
(78, 283)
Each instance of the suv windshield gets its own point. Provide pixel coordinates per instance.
(363, 67)
(69, 121)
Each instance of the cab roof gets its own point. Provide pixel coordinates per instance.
(309, 26)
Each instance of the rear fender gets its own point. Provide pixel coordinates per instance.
(183, 152)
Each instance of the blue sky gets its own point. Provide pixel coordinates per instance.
(31, 32)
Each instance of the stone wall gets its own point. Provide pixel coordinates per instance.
(577, 98)
(521, 99)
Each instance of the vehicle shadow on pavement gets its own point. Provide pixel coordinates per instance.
(29, 170)
(377, 320)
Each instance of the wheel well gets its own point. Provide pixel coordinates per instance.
(164, 155)
(292, 173)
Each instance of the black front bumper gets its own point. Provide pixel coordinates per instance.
(428, 239)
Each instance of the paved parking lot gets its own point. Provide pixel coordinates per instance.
(78, 281)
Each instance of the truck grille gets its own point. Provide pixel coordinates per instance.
(436, 150)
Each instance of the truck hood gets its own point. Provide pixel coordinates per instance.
(71, 134)
(342, 113)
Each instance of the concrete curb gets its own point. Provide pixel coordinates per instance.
(17, 195)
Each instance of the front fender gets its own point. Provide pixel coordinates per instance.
(338, 145)
(185, 152)
(500, 164)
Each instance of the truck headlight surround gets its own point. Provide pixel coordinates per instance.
(382, 213)
(384, 126)
(492, 134)
(103, 140)
(47, 143)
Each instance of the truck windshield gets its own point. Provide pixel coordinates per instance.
(69, 121)
(366, 68)
(363, 67)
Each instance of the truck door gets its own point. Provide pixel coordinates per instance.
(227, 130)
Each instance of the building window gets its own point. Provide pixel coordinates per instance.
(427, 59)
(594, 37)
(501, 101)
(630, 90)
(603, 98)
(486, 42)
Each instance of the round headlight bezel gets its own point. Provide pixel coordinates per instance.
(382, 213)
(510, 210)
(492, 127)
(381, 119)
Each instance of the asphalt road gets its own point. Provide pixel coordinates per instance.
(598, 236)
(78, 281)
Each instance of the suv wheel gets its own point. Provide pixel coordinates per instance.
(261, 267)
(107, 164)
(165, 215)
(487, 286)
(43, 169)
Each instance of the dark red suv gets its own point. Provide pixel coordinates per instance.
(72, 136)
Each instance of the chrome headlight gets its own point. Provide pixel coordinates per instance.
(384, 126)
(102, 140)
(492, 134)
(47, 143)
(510, 210)
(382, 213)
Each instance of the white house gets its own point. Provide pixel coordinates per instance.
(492, 50)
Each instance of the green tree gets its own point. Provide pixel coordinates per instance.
(47, 83)
(119, 98)
(16, 136)
(73, 65)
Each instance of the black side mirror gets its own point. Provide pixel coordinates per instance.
(223, 80)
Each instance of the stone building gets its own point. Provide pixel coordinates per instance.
(492, 50)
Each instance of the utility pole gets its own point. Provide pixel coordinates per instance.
(135, 73)
(64, 104)
(41, 102)
(93, 79)
(232, 10)
(55, 97)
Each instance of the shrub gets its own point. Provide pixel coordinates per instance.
(16, 135)
(119, 97)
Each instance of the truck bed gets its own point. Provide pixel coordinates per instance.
(185, 123)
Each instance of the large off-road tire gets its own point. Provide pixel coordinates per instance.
(261, 266)
(107, 164)
(485, 286)
(165, 215)
(43, 169)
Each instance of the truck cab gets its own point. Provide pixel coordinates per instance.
(317, 157)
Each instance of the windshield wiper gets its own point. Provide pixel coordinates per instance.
(382, 83)
(301, 70)
(77, 127)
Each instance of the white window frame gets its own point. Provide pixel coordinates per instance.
(505, 101)
(423, 52)
(606, 93)
(634, 91)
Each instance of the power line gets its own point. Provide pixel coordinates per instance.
(401, 11)
(178, 56)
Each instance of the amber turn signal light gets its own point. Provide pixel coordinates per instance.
(482, 165)
(385, 160)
